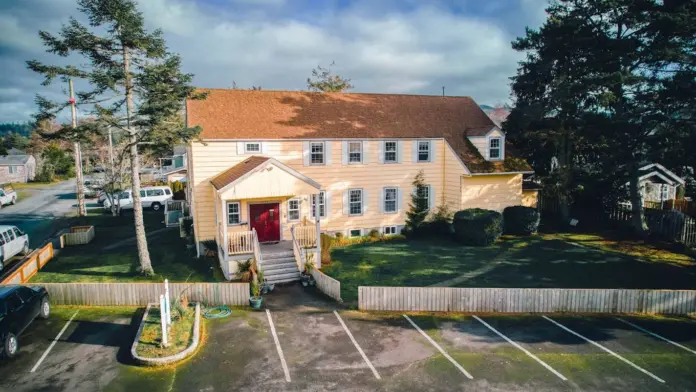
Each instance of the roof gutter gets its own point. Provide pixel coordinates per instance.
(502, 174)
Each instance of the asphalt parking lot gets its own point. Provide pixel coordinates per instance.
(311, 345)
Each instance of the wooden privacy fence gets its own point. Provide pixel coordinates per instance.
(140, 294)
(327, 285)
(451, 299)
(30, 266)
(78, 235)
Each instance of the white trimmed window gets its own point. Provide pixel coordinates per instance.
(355, 201)
(390, 200)
(355, 153)
(354, 233)
(233, 213)
(293, 209)
(424, 151)
(252, 147)
(317, 153)
(423, 193)
(390, 153)
(389, 230)
(322, 204)
(13, 169)
(495, 148)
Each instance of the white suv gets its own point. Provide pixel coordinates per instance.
(150, 197)
(12, 242)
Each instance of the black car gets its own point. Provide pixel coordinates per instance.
(19, 306)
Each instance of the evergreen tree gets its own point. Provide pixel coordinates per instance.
(323, 80)
(418, 208)
(135, 86)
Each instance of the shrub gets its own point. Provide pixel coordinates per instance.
(374, 233)
(521, 220)
(476, 226)
(46, 174)
(326, 243)
(440, 224)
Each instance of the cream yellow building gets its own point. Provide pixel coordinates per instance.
(266, 156)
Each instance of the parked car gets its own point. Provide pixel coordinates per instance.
(150, 197)
(7, 195)
(89, 188)
(12, 242)
(19, 306)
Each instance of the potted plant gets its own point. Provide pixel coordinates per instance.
(306, 277)
(255, 300)
(265, 286)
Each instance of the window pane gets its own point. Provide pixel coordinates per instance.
(355, 152)
(317, 153)
(293, 209)
(390, 200)
(424, 196)
(253, 147)
(6, 237)
(423, 151)
(17, 232)
(150, 192)
(390, 152)
(355, 201)
(167, 191)
(322, 205)
(11, 234)
(355, 233)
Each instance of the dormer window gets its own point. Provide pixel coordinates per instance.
(495, 148)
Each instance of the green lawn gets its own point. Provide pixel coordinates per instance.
(548, 260)
(113, 257)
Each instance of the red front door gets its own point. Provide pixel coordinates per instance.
(265, 218)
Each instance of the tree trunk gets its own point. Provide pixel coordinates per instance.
(565, 160)
(638, 213)
(81, 210)
(140, 238)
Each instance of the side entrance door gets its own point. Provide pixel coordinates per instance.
(265, 218)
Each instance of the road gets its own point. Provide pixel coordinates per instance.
(43, 213)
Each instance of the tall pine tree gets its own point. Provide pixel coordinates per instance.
(134, 85)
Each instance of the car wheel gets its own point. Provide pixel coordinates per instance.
(11, 345)
(25, 249)
(45, 309)
(14, 201)
(156, 206)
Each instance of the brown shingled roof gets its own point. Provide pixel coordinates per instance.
(253, 115)
(237, 171)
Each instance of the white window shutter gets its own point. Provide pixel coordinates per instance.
(240, 148)
(381, 200)
(365, 201)
(346, 207)
(431, 197)
(327, 203)
(264, 148)
(327, 153)
(381, 151)
(399, 199)
(364, 152)
(432, 150)
(414, 151)
(305, 153)
(344, 153)
(399, 151)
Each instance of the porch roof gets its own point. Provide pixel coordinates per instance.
(255, 177)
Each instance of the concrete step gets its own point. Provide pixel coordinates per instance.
(280, 270)
(284, 260)
(275, 266)
(282, 278)
(277, 255)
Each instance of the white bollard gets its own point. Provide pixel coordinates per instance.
(168, 304)
(163, 318)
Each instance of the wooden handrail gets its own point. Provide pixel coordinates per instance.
(241, 242)
(306, 236)
(257, 249)
(297, 251)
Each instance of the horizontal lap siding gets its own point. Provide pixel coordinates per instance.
(503, 300)
(493, 192)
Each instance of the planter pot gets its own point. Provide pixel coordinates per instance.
(267, 288)
(312, 282)
(304, 279)
(255, 302)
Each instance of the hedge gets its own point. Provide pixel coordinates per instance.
(520, 220)
(476, 226)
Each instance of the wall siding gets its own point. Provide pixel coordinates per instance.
(19, 176)
(481, 142)
(530, 198)
(493, 192)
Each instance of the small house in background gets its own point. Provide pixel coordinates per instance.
(174, 167)
(17, 168)
(658, 184)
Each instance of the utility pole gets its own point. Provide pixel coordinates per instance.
(82, 211)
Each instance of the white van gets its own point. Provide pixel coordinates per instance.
(12, 242)
(150, 197)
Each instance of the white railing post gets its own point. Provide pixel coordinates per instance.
(167, 305)
(163, 320)
(317, 262)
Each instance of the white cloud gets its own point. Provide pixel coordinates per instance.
(418, 50)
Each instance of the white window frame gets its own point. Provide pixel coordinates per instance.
(428, 193)
(418, 153)
(396, 152)
(359, 203)
(664, 192)
(246, 147)
(396, 200)
(238, 213)
(389, 228)
(499, 148)
(361, 154)
(322, 204)
(323, 153)
(350, 233)
(13, 169)
(291, 210)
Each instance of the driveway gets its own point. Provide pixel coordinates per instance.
(42, 213)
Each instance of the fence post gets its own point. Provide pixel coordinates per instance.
(166, 302)
(163, 320)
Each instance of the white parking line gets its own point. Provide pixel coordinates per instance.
(53, 343)
(437, 346)
(544, 364)
(352, 339)
(656, 335)
(280, 350)
(605, 349)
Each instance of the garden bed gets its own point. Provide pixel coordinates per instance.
(183, 337)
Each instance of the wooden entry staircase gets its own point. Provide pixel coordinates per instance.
(279, 265)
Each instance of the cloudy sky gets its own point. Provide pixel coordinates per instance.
(399, 46)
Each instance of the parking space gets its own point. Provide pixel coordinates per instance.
(312, 347)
